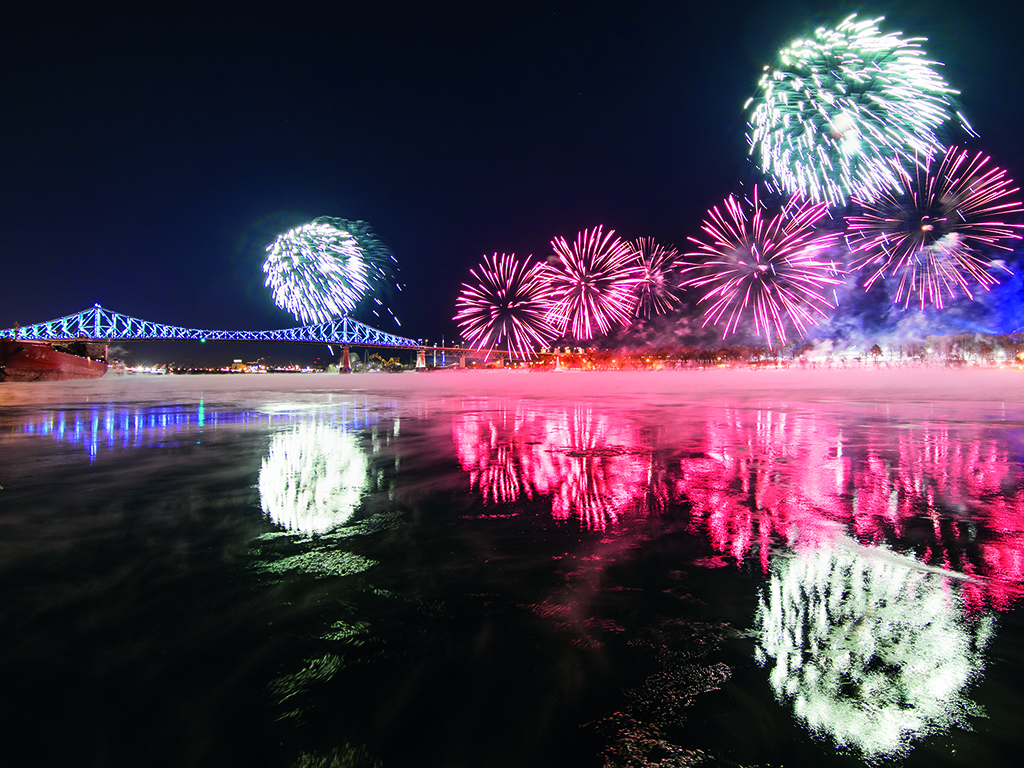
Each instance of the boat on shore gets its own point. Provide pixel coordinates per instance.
(23, 360)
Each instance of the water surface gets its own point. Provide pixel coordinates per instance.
(501, 568)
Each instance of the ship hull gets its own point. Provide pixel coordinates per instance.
(41, 361)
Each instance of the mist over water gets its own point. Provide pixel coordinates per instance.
(281, 391)
(770, 567)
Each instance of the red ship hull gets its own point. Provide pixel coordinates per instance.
(42, 361)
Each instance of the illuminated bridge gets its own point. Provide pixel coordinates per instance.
(102, 325)
(99, 324)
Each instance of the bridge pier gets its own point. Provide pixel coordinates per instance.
(421, 358)
(346, 363)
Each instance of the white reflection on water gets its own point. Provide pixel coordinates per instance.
(313, 477)
(870, 647)
(311, 481)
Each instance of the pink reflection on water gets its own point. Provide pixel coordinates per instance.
(742, 488)
(489, 447)
(969, 489)
(600, 466)
(594, 465)
(952, 495)
(756, 479)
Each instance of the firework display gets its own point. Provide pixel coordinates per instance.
(764, 266)
(316, 272)
(380, 262)
(931, 236)
(656, 291)
(835, 109)
(849, 116)
(507, 306)
(594, 283)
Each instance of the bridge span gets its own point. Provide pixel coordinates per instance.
(103, 325)
(99, 324)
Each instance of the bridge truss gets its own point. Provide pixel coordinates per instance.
(99, 324)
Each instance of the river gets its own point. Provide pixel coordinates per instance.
(502, 568)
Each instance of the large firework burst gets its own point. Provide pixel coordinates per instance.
(766, 265)
(594, 283)
(656, 289)
(382, 270)
(835, 109)
(316, 272)
(506, 306)
(929, 236)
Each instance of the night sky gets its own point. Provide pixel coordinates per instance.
(151, 152)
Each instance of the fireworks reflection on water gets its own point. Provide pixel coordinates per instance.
(346, 565)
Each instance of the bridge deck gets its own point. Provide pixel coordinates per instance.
(99, 324)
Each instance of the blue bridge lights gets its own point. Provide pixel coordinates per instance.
(99, 324)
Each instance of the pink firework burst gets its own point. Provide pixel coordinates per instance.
(767, 266)
(594, 284)
(656, 290)
(931, 236)
(506, 307)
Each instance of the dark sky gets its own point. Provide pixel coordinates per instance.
(151, 151)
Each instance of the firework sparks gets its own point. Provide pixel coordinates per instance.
(766, 265)
(381, 264)
(656, 292)
(929, 236)
(835, 109)
(506, 307)
(316, 272)
(594, 283)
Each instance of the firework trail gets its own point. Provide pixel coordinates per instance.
(928, 236)
(836, 109)
(506, 306)
(381, 265)
(316, 272)
(764, 265)
(656, 292)
(594, 283)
